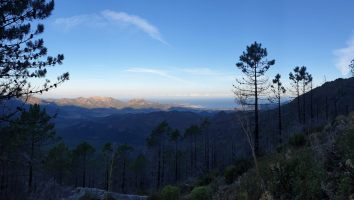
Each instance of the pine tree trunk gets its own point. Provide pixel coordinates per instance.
(163, 166)
(84, 172)
(280, 121)
(303, 105)
(176, 162)
(30, 178)
(107, 175)
(298, 103)
(195, 152)
(311, 103)
(191, 159)
(123, 176)
(158, 168)
(256, 131)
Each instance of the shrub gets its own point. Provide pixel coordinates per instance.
(233, 171)
(230, 174)
(207, 178)
(170, 193)
(345, 144)
(298, 140)
(298, 176)
(201, 193)
(250, 186)
(344, 189)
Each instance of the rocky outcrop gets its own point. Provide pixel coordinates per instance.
(97, 194)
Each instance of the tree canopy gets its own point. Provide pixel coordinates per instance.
(23, 56)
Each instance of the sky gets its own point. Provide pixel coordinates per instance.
(188, 48)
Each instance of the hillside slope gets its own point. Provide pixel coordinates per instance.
(319, 165)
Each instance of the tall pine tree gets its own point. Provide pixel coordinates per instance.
(278, 91)
(248, 90)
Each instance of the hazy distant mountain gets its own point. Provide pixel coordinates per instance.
(107, 102)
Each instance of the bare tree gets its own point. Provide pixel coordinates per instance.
(250, 87)
(244, 121)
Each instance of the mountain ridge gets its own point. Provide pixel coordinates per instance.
(108, 102)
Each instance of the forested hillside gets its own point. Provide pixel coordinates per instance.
(289, 136)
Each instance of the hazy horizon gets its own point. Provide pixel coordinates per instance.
(148, 49)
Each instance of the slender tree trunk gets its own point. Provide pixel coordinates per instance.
(195, 152)
(311, 103)
(256, 121)
(176, 161)
(191, 149)
(298, 103)
(163, 166)
(84, 172)
(280, 121)
(109, 178)
(123, 176)
(136, 181)
(303, 104)
(30, 178)
(212, 156)
(206, 151)
(107, 175)
(2, 182)
(158, 168)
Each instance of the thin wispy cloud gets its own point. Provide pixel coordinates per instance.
(136, 21)
(79, 20)
(109, 17)
(344, 55)
(157, 72)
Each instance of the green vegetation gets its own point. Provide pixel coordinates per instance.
(314, 166)
(201, 193)
(170, 193)
(234, 171)
(307, 171)
(298, 140)
(206, 179)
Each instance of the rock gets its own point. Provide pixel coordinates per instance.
(98, 194)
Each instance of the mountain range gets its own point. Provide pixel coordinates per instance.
(107, 102)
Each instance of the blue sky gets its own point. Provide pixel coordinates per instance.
(188, 48)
